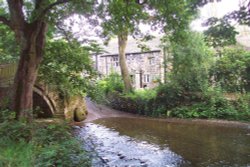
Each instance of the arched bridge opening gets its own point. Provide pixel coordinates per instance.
(43, 106)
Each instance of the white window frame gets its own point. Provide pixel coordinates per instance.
(146, 78)
(115, 61)
(151, 60)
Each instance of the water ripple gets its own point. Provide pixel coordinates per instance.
(109, 148)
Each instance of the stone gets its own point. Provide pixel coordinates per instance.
(75, 109)
(79, 115)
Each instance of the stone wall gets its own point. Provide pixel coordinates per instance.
(75, 109)
(71, 108)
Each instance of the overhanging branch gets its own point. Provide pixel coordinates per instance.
(4, 20)
(49, 7)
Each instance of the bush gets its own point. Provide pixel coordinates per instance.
(58, 148)
(215, 106)
(38, 144)
(170, 96)
(231, 70)
(16, 154)
(172, 101)
(191, 61)
(112, 84)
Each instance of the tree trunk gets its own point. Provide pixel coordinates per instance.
(32, 45)
(122, 42)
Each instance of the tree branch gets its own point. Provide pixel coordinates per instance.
(17, 18)
(49, 7)
(5, 21)
(37, 4)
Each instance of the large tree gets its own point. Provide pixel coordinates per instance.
(191, 62)
(29, 21)
(122, 18)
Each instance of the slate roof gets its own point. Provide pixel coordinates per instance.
(154, 45)
(132, 46)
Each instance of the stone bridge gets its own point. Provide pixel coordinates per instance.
(47, 101)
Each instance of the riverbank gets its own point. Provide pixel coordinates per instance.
(43, 143)
(98, 111)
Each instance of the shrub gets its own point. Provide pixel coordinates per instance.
(38, 144)
(112, 84)
(170, 96)
(58, 148)
(55, 146)
(231, 70)
(215, 106)
(16, 154)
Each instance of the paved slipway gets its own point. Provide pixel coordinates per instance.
(97, 111)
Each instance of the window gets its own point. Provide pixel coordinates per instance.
(146, 78)
(115, 61)
(151, 60)
(132, 78)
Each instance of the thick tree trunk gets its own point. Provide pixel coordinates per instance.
(23, 87)
(122, 41)
(32, 45)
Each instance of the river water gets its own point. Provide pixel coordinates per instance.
(155, 143)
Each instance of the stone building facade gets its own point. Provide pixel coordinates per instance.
(146, 68)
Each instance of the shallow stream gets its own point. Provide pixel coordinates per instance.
(155, 143)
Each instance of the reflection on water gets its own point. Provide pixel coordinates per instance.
(142, 142)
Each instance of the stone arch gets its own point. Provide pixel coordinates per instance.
(43, 101)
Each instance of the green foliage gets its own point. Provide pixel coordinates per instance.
(16, 154)
(141, 100)
(209, 104)
(215, 106)
(108, 85)
(6, 115)
(58, 148)
(143, 94)
(172, 101)
(170, 96)
(231, 70)
(220, 33)
(191, 62)
(174, 18)
(67, 66)
(120, 17)
(112, 83)
(8, 46)
(38, 144)
(15, 131)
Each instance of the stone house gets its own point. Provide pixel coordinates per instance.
(146, 68)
